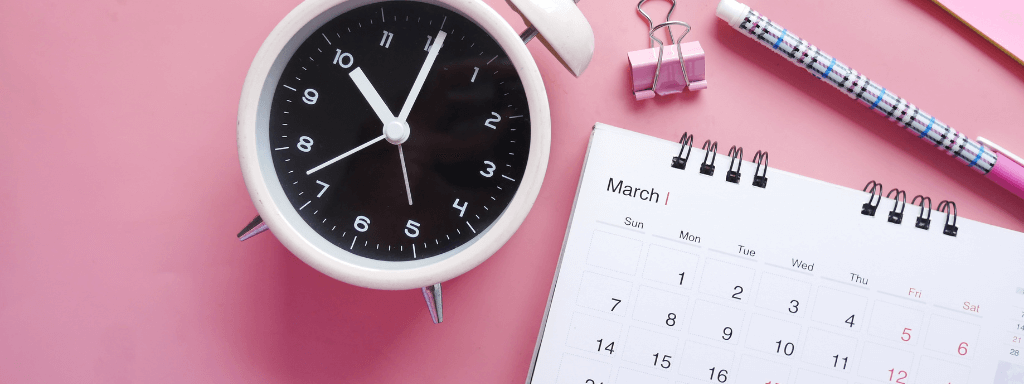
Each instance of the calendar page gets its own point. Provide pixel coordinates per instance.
(671, 276)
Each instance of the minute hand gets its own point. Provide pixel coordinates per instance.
(418, 84)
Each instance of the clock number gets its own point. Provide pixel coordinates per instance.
(362, 223)
(412, 229)
(462, 209)
(475, 70)
(490, 169)
(489, 123)
(305, 144)
(386, 40)
(427, 47)
(310, 96)
(322, 190)
(339, 58)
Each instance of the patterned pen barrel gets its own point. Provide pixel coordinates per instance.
(996, 166)
(857, 86)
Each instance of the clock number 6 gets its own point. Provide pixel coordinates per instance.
(412, 229)
(490, 169)
(362, 223)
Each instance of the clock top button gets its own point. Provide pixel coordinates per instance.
(396, 132)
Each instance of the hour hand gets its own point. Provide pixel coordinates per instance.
(371, 96)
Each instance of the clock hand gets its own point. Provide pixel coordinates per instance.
(344, 155)
(401, 155)
(418, 84)
(371, 96)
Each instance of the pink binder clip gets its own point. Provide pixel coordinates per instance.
(666, 70)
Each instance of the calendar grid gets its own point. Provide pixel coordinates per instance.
(688, 294)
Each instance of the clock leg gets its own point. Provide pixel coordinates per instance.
(433, 296)
(255, 227)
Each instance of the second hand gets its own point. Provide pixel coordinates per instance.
(344, 155)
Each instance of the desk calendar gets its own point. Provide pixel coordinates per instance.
(669, 275)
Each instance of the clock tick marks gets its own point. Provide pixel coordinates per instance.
(325, 38)
(287, 87)
(471, 227)
(304, 205)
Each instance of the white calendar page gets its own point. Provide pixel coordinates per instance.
(691, 279)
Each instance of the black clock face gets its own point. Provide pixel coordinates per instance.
(392, 146)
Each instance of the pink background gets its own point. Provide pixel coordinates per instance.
(120, 189)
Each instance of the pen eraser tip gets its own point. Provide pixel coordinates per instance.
(731, 11)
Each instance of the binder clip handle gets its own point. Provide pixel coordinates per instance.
(650, 23)
(661, 52)
(649, 78)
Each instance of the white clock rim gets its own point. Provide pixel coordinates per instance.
(314, 250)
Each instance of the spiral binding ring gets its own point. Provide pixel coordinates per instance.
(897, 217)
(734, 176)
(923, 222)
(761, 179)
(948, 207)
(709, 149)
(869, 208)
(680, 161)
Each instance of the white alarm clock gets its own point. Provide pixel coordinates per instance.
(399, 144)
